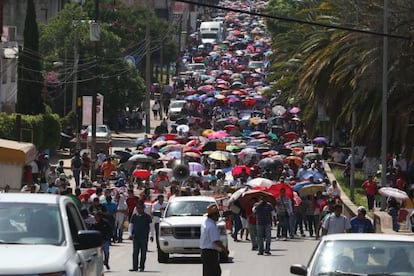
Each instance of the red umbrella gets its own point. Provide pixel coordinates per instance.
(275, 190)
(171, 136)
(290, 135)
(246, 200)
(141, 173)
(238, 170)
(230, 128)
(269, 153)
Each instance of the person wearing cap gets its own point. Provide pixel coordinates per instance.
(336, 222)
(360, 223)
(210, 243)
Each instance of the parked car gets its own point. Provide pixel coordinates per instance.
(103, 133)
(360, 254)
(196, 67)
(180, 227)
(175, 108)
(44, 234)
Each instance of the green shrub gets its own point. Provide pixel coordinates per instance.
(43, 130)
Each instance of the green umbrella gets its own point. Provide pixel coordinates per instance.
(273, 136)
(232, 148)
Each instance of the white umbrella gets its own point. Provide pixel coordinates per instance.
(195, 167)
(393, 192)
(183, 128)
(279, 110)
(260, 181)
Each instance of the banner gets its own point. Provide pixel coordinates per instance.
(87, 110)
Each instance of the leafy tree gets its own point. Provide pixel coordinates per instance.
(117, 80)
(29, 100)
(341, 70)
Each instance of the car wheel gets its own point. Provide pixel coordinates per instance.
(163, 257)
(224, 258)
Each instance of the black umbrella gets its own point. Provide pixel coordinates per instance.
(123, 155)
(270, 163)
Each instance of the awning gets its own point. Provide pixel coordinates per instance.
(13, 152)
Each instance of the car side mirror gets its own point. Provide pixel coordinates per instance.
(298, 269)
(88, 239)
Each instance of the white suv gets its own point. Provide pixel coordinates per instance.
(43, 234)
(180, 227)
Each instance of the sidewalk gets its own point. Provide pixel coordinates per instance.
(380, 219)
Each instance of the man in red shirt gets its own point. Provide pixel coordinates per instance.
(370, 187)
(107, 167)
(131, 203)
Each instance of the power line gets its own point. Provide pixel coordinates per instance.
(299, 21)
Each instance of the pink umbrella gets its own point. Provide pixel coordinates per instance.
(294, 110)
(233, 100)
(218, 135)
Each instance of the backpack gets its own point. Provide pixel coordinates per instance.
(77, 162)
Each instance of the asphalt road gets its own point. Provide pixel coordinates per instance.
(242, 262)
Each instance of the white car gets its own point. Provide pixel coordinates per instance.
(180, 227)
(103, 133)
(44, 234)
(174, 110)
(360, 254)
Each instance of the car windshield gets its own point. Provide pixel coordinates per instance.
(209, 35)
(187, 208)
(364, 257)
(25, 223)
(177, 104)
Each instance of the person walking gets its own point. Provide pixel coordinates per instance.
(284, 211)
(210, 243)
(370, 187)
(76, 165)
(120, 216)
(105, 229)
(158, 208)
(155, 109)
(263, 212)
(336, 222)
(360, 223)
(141, 222)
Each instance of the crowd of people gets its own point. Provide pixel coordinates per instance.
(250, 152)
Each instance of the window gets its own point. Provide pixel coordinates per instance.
(75, 224)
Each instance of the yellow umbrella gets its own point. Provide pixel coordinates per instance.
(219, 155)
(207, 132)
(255, 120)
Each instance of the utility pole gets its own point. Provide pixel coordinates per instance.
(384, 104)
(75, 71)
(95, 39)
(147, 75)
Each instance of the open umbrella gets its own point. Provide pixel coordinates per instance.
(320, 140)
(220, 155)
(314, 174)
(237, 194)
(140, 158)
(141, 173)
(249, 197)
(239, 169)
(270, 163)
(259, 181)
(393, 192)
(311, 189)
(294, 110)
(192, 154)
(275, 190)
(195, 167)
(183, 128)
(218, 135)
(278, 110)
(296, 159)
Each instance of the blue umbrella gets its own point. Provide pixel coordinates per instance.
(315, 174)
(210, 100)
(300, 185)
